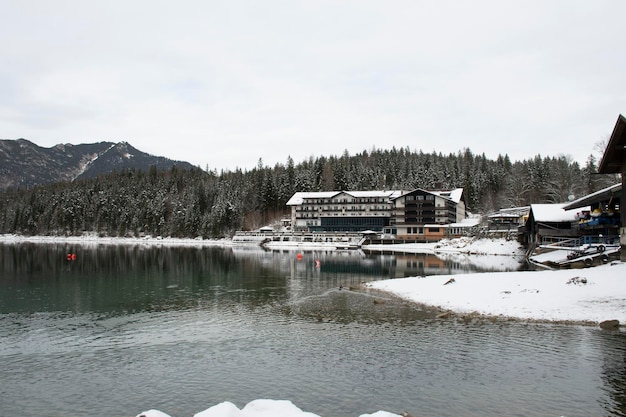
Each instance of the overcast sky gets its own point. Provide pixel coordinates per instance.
(224, 83)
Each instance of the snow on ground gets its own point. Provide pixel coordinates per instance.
(485, 263)
(467, 245)
(573, 295)
(464, 250)
(480, 246)
(93, 239)
(459, 245)
(577, 295)
(257, 408)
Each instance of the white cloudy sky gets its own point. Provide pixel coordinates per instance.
(224, 83)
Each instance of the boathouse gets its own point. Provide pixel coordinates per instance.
(507, 219)
(550, 223)
(599, 214)
(614, 162)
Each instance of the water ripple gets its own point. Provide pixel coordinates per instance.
(243, 331)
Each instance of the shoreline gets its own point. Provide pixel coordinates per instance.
(98, 240)
(468, 317)
(463, 245)
(529, 296)
(589, 296)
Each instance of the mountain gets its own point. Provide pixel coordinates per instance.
(25, 164)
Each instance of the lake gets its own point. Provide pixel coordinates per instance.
(122, 329)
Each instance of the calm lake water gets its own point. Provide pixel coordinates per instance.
(124, 329)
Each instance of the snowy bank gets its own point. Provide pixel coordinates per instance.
(577, 295)
(464, 245)
(257, 408)
(460, 245)
(92, 239)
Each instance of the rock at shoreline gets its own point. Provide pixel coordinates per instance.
(609, 324)
(445, 315)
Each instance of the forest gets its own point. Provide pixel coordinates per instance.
(204, 203)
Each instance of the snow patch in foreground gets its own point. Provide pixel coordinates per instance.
(257, 408)
(582, 295)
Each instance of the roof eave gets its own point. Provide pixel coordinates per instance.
(614, 158)
(605, 194)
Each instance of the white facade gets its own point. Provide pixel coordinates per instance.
(316, 210)
(350, 211)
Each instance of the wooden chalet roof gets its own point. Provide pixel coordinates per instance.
(614, 158)
(455, 195)
(551, 213)
(299, 197)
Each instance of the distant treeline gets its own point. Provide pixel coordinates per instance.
(196, 202)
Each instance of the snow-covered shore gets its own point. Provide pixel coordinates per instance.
(459, 245)
(589, 295)
(93, 239)
(463, 245)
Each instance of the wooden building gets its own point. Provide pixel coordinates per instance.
(614, 162)
(549, 223)
(599, 213)
(507, 219)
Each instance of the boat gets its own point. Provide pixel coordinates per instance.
(562, 257)
(287, 240)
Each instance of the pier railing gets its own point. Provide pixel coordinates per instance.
(562, 242)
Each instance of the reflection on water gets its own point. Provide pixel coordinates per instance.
(614, 374)
(122, 329)
(134, 278)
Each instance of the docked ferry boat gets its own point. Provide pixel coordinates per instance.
(280, 240)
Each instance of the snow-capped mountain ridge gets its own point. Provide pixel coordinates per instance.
(25, 164)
